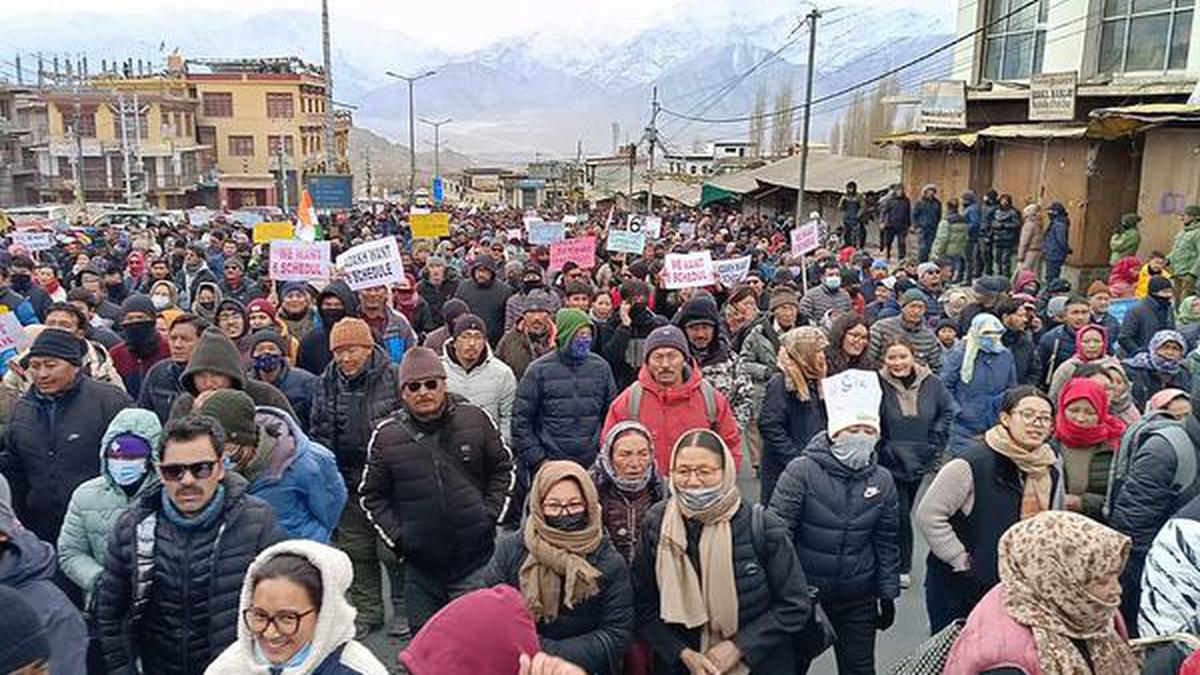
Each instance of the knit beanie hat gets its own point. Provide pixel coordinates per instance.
(58, 344)
(1158, 284)
(1192, 211)
(782, 297)
(351, 332)
(294, 287)
(128, 446)
(467, 322)
(138, 302)
(234, 409)
(419, 364)
(483, 633)
(452, 309)
(261, 305)
(269, 335)
(26, 640)
(666, 336)
(568, 322)
(912, 295)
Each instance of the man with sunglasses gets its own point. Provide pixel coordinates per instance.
(173, 575)
(438, 479)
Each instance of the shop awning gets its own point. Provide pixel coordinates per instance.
(929, 139)
(1124, 120)
(1038, 131)
(711, 194)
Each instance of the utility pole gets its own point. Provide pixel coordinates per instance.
(632, 165)
(370, 193)
(437, 143)
(137, 147)
(808, 96)
(652, 134)
(330, 138)
(577, 176)
(77, 172)
(412, 143)
(125, 149)
(283, 181)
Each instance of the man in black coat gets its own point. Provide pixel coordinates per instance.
(437, 285)
(485, 296)
(176, 558)
(926, 215)
(896, 214)
(53, 436)
(1058, 344)
(438, 479)
(1149, 316)
(1015, 318)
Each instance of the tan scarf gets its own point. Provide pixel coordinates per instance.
(1046, 565)
(709, 601)
(1034, 465)
(556, 572)
(797, 359)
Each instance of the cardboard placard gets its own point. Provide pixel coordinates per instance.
(806, 238)
(430, 225)
(623, 241)
(246, 218)
(581, 251)
(651, 226)
(33, 240)
(264, 232)
(299, 260)
(732, 270)
(852, 397)
(542, 233)
(12, 333)
(375, 263)
(688, 270)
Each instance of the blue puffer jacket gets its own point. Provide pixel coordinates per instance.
(1056, 246)
(845, 524)
(560, 408)
(301, 482)
(297, 385)
(978, 400)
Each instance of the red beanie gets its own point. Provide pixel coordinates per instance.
(481, 633)
(261, 305)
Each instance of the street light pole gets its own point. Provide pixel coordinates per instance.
(437, 143)
(412, 143)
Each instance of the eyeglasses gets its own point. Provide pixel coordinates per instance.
(560, 509)
(414, 387)
(1034, 419)
(286, 622)
(173, 473)
(703, 473)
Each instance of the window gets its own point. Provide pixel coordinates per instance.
(217, 104)
(1145, 35)
(280, 106)
(1014, 44)
(85, 126)
(273, 145)
(135, 126)
(241, 146)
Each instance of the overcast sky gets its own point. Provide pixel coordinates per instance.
(469, 24)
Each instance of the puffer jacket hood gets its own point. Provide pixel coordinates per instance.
(170, 286)
(215, 353)
(141, 423)
(30, 559)
(340, 290)
(215, 288)
(290, 440)
(335, 621)
(701, 308)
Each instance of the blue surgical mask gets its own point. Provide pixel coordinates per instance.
(126, 471)
(698, 499)
(832, 283)
(295, 662)
(990, 344)
(580, 347)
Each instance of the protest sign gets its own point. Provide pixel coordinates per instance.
(570, 219)
(688, 270)
(687, 228)
(652, 226)
(852, 397)
(542, 233)
(33, 240)
(731, 271)
(623, 241)
(12, 333)
(430, 225)
(375, 263)
(198, 217)
(299, 260)
(246, 218)
(515, 234)
(806, 238)
(264, 232)
(581, 251)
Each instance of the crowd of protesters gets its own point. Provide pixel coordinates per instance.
(538, 468)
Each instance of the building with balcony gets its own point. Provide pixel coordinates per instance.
(721, 157)
(18, 166)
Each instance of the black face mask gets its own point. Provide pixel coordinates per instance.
(530, 284)
(21, 283)
(331, 316)
(571, 522)
(142, 336)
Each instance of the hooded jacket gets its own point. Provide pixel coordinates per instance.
(914, 423)
(1056, 246)
(1141, 323)
(1029, 245)
(209, 314)
(719, 363)
(926, 213)
(314, 347)
(133, 368)
(216, 353)
(334, 651)
(560, 408)
(345, 410)
(978, 400)
(96, 504)
(189, 285)
(161, 387)
(490, 385)
(27, 566)
(487, 302)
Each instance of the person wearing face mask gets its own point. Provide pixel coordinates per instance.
(574, 581)
(192, 273)
(978, 372)
(842, 510)
(13, 299)
(1086, 435)
(1158, 368)
(720, 364)
(164, 295)
(486, 296)
(1148, 317)
(1009, 475)
(270, 364)
(531, 337)
(630, 323)
(127, 460)
(1091, 346)
(533, 283)
(24, 282)
(208, 296)
(829, 295)
(334, 302)
(143, 346)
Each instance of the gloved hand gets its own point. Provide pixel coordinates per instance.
(887, 614)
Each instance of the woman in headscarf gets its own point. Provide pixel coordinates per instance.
(1159, 367)
(1087, 436)
(955, 300)
(572, 578)
(792, 410)
(1009, 475)
(1091, 346)
(977, 373)
(1054, 611)
(848, 339)
(711, 596)
(1123, 279)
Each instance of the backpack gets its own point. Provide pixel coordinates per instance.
(1132, 442)
(707, 392)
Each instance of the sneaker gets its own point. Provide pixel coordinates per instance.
(905, 581)
(362, 630)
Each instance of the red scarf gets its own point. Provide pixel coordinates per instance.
(1107, 431)
(1079, 339)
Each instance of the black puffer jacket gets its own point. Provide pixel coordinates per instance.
(486, 302)
(845, 524)
(1006, 227)
(560, 407)
(161, 387)
(436, 490)
(624, 347)
(773, 602)
(314, 354)
(345, 410)
(191, 609)
(50, 448)
(595, 633)
(787, 425)
(915, 424)
(1146, 501)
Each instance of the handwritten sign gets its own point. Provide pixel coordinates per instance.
(542, 233)
(33, 240)
(199, 217)
(852, 397)
(12, 333)
(731, 271)
(299, 260)
(515, 234)
(624, 241)
(375, 263)
(651, 226)
(806, 238)
(581, 251)
(264, 232)
(430, 225)
(688, 270)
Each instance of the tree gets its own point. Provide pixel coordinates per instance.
(758, 123)
(781, 131)
(835, 138)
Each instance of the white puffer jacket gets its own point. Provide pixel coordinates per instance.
(490, 385)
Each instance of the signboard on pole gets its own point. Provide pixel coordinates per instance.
(688, 270)
(293, 260)
(732, 270)
(944, 104)
(375, 263)
(1052, 96)
(331, 191)
(439, 190)
(264, 232)
(581, 251)
(623, 241)
(430, 225)
(806, 238)
(33, 240)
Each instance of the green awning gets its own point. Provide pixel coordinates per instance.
(711, 194)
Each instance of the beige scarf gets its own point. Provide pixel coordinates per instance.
(556, 572)
(707, 600)
(1034, 465)
(798, 359)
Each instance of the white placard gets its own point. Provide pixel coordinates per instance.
(852, 397)
(623, 241)
(651, 226)
(732, 270)
(688, 270)
(299, 260)
(687, 228)
(375, 263)
(33, 240)
(12, 333)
